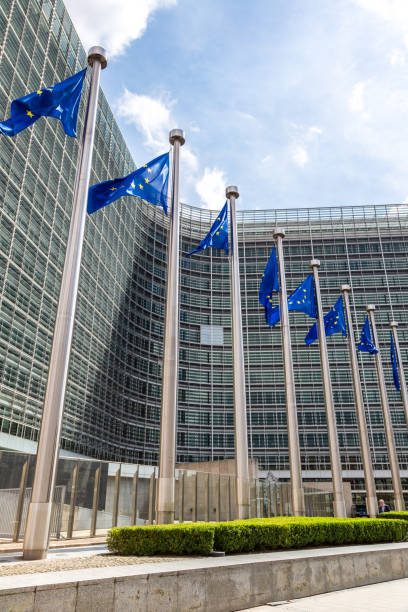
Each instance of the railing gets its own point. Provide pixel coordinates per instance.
(14, 508)
(92, 496)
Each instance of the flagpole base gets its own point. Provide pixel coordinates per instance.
(298, 502)
(399, 503)
(165, 517)
(36, 540)
(371, 506)
(339, 507)
(242, 498)
(165, 500)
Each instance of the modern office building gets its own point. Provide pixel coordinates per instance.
(113, 400)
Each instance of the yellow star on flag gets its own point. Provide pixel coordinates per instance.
(140, 186)
(30, 114)
(39, 92)
(146, 180)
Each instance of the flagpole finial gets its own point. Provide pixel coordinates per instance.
(370, 307)
(314, 263)
(279, 232)
(232, 192)
(345, 287)
(176, 134)
(393, 324)
(98, 53)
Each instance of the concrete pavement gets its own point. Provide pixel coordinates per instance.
(381, 597)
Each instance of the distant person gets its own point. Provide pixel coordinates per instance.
(382, 506)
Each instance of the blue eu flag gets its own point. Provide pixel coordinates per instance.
(270, 280)
(217, 237)
(366, 343)
(60, 101)
(394, 363)
(334, 322)
(272, 314)
(150, 182)
(302, 299)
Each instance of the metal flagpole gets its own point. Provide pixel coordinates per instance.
(371, 498)
(298, 501)
(167, 460)
(339, 505)
(39, 511)
(403, 384)
(389, 434)
(241, 433)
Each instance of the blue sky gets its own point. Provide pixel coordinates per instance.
(298, 102)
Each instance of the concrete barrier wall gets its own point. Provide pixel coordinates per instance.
(207, 584)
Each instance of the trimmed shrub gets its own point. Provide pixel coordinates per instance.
(191, 539)
(403, 516)
(252, 535)
(270, 534)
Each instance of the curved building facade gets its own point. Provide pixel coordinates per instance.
(113, 400)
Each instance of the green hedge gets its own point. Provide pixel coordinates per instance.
(270, 534)
(403, 516)
(190, 539)
(252, 535)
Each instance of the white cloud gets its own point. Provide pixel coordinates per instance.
(267, 159)
(150, 116)
(393, 11)
(304, 138)
(211, 188)
(314, 130)
(397, 58)
(113, 24)
(153, 118)
(356, 100)
(189, 159)
(246, 116)
(300, 156)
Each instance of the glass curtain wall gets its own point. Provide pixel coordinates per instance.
(113, 399)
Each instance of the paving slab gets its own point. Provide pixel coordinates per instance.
(385, 596)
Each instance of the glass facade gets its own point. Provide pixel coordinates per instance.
(364, 246)
(113, 400)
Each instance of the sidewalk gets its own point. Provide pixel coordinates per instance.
(385, 596)
(10, 547)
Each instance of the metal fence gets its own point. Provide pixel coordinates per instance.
(91, 496)
(14, 508)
